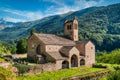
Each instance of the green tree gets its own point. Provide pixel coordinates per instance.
(21, 46)
(112, 57)
(4, 50)
(32, 31)
(13, 49)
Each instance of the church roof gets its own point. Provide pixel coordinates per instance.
(51, 39)
(56, 55)
(82, 42)
(66, 48)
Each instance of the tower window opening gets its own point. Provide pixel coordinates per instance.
(69, 27)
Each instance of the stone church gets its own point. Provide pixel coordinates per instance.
(63, 52)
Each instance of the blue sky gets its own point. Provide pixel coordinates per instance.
(28, 10)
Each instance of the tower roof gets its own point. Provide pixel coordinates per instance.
(67, 21)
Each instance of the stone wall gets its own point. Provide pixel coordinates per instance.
(59, 64)
(89, 54)
(5, 64)
(42, 68)
(33, 42)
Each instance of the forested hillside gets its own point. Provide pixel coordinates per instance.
(99, 24)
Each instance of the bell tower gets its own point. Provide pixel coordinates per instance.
(71, 29)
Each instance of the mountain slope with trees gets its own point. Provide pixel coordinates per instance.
(98, 24)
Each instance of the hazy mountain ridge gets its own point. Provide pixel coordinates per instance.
(4, 24)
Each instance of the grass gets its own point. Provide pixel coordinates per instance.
(57, 75)
(2, 60)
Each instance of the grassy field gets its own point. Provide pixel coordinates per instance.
(57, 75)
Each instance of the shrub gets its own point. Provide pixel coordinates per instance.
(116, 67)
(99, 66)
(111, 58)
(5, 74)
(114, 75)
(22, 68)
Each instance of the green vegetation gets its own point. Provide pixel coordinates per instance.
(21, 46)
(6, 74)
(57, 75)
(22, 68)
(114, 71)
(13, 48)
(112, 57)
(114, 76)
(4, 50)
(110, 60)
(2, 60)
(32, 31)
(112, 67)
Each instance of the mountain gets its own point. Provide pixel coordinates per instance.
(51, 24)
(98, 24)
(4, 24)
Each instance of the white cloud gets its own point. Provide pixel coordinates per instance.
(58, 2)
(26, 14)
(77, 5)
(10, 19)
(86, 4)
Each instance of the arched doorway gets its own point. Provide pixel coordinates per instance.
(74, 61)
(82, 62)
(65, 64)
(38, 49)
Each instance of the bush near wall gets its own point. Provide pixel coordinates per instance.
(112, 67)
(22, 68)
(99, 66)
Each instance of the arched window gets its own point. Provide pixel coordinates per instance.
(38, 49)
(74, 61)
(82, 62)
(65, 64)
